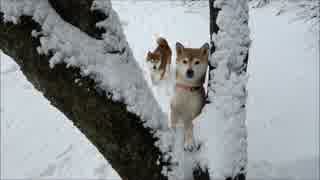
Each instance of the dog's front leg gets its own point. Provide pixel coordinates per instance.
(162, 73)
(173, 117)
(189, 143)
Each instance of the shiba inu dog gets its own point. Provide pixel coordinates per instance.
(189, 95)
(159, 60)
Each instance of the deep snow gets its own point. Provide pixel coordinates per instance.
(282, 106)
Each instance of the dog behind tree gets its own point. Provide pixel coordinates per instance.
(160, 59)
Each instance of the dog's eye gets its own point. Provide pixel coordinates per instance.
(197, 62)
(184, 61)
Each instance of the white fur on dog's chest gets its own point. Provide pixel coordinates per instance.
(155, 73)
(187, 103)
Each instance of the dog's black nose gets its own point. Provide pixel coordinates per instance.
(190, 73)
(154, 67)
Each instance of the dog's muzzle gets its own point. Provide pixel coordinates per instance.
(189, 73)
(154, 67)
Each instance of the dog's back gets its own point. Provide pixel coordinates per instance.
(165, 51)
(160, 58)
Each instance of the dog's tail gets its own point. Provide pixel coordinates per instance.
(162, 42)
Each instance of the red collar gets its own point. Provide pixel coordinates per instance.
(188, 88)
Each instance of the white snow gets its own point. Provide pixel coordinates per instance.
(284, 86)
(75, 48)
(224, 116)
(282, 111)
(38, 141)
(109, 70)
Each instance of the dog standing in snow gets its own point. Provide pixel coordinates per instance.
(159, 60)
(189, 95)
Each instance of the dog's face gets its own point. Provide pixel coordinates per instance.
(153, 60)
(192, 63)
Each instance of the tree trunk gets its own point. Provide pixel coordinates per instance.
(119, 135)
(213, 28)
(214, 65)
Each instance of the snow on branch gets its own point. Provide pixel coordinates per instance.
(73, 47)
(261, 3)
(307, 10)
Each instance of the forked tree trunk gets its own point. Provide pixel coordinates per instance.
(119, 135)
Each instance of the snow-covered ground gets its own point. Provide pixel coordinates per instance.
(36, 139)
(283, 105)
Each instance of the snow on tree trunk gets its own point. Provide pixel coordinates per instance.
(306, 10)
(92, 77)
(225, 113)
(261, 3)
(227, 90)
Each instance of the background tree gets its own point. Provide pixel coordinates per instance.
(307, 10)
(261, 3)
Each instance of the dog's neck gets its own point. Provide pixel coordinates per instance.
(188, 87)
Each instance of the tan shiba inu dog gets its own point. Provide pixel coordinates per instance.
(159, 59)
(189, 97)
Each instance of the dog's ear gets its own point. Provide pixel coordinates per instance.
(162, 42)
(204, 49)
(179, 48)
(148, 56)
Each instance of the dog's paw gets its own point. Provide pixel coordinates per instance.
(191, 146)
(188, 147)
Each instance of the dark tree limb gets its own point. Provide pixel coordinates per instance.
(78, 13)
(213, 28)
(117, 134)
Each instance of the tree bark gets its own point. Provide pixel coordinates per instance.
(78, 13)
(118, 134)
(213, 28)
